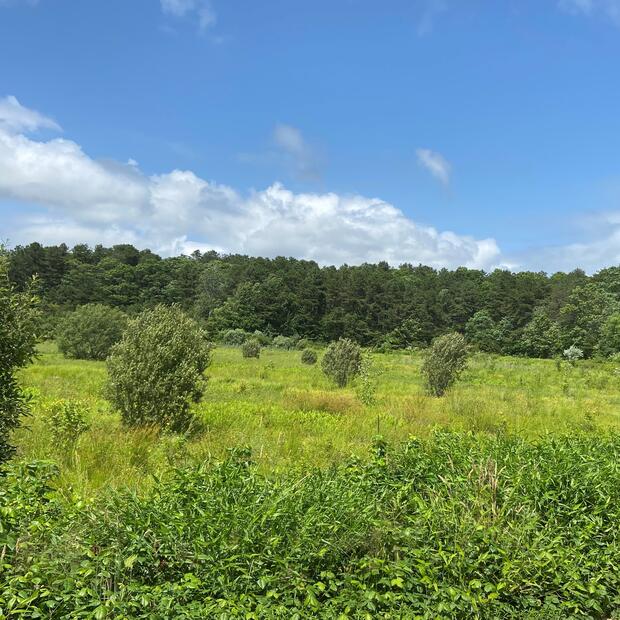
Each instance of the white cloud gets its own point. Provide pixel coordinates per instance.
(607, 8)
(200, 9)
(436, 164)
(85, 200)
(300, 154)
(14, 117)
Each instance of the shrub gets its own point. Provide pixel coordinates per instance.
(90, 331)
(283, 342)
(19, 318)
(308, 356)
(234, 337)
(302, 343)
(251, 348)
(572, 354)
(444, 361)
(541, 337)
(263, 339)
(342, 361)
(156, 370)
(66, 421)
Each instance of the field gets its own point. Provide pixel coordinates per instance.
(499, 500)
(290, 414)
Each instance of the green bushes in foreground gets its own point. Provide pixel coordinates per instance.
(456, 526)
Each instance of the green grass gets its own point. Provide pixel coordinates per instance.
(290, 414)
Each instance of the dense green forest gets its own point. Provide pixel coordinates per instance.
(524, 313)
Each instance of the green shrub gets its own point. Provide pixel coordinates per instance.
(283, 342)
(66, 421)
(156, 370)
(302, 343)
(19, 321)
(234, 337)
(263, 339)
(308, 356)
(342, 361)
(443, 362)
(251, 348)
(90, 331)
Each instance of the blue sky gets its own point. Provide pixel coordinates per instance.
(438, 131)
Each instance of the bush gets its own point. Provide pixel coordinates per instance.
(89, 332)
(234, 337)
(263, 339)
(444, 361)
(66, 421)
(308, 356)
(251, 348)
(19, 319)
(573, 354)
(342, 361)
(283, 342)
(156, 370)
(302, 343)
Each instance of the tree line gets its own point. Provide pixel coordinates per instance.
(522, 313)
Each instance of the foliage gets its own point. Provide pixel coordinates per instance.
(19, 318)
(573, 354)
(444, 361)
(308, 356)
(342, 361)
(263, 339)
(456, 526)
(482, 332)
(367, 381)
(284, 342)
(251, 348)
(609, 343)
(90, 331)
(410, 333)
(541, 337)
(156, 370)
(66, 421)
(234, 337)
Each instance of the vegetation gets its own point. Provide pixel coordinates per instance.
(309, 357)
(18, 324)
(251, 348)
(156, 370)
(342, 361)
(443, 362)
(377, 305)
(90, 331)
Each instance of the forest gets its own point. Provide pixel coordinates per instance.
(387, 307)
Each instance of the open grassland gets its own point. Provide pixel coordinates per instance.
(289, 414)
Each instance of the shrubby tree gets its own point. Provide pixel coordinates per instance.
(284, 342)
(90, 331)
(342, 361)
(609, 342)
(443, 362)
(234, 337)
(573, 354)
(482, 332)
(409, 333)
(541, 337)
(19, 317)
(309, 357)
(157, 370)
(251, 348)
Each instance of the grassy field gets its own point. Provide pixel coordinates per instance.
(290, 415)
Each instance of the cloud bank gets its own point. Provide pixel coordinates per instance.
(85, 200)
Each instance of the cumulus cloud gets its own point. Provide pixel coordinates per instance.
(607, 8)
(200, 9)
(81, 199)
(14, 117)
(436, 164)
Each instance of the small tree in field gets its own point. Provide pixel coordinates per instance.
(308, 356)
(90, 331)
(19, 318)
(444, 361)
(342, 361)
(251, 348)
(156, 370)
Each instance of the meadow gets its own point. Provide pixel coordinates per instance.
(289, 414)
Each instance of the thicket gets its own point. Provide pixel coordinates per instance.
(524, 313)
(90, 331)
(157, 370)
(456, 526)
(342, 361)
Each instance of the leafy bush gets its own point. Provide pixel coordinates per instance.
(481, 331)
(541, 336)
(263, 339)
(90, 331)
(66, 421)
(444, 361)
(308, 356)
(156, 370)
(342, 361)
(302, 343)
(454, 526)
(573, 354)
(234, 337)
(251, 348)
(19, 319)
(283, 342)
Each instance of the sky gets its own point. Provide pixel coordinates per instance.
(480, 133)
